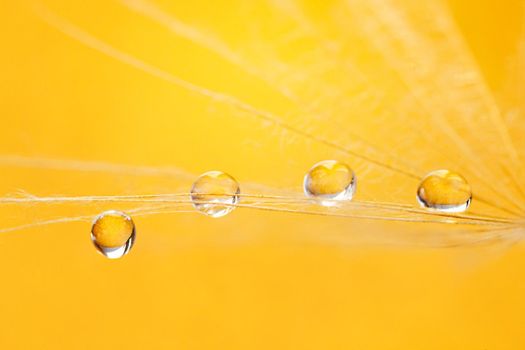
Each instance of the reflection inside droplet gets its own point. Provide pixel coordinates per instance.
(215, 193)
(445, 191)
(113, 234)
(330, 182)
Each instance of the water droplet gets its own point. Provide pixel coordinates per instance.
(215, 193)
(445, 191)
(330, 181)
(113, 234)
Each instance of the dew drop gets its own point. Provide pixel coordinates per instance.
(215, 193)
(113, 234)
(445, 191)
(330, 181)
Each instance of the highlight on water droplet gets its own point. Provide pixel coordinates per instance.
(215, 193)
(445, 191)
(113, 234)
(330, 182)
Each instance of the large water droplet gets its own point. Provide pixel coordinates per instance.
(330, 181)
(113, 234)
(215, 193)
(445, 191)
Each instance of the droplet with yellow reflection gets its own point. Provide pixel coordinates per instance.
(445, 191)
(330, 181)
(113, 234)
(215, 193)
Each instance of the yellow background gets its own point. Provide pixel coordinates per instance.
(251, 280)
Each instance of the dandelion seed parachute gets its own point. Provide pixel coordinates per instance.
(387, 175)
(123, 112)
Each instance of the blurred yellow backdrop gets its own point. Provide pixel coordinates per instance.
(254, 279)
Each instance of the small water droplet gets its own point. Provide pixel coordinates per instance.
(445, 191)
(113, 234)
(330, 181)
(215, 193)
